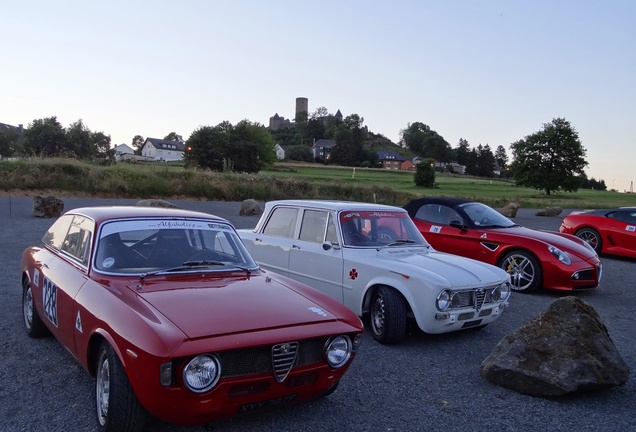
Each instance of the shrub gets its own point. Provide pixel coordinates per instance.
(425, 173)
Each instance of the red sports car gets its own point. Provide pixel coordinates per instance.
(533, 258)
(170, 314)
(610, 231)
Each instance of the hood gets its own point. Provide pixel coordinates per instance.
(205, 307)
(566, 243)
(444, 270)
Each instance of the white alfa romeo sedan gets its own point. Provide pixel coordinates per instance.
(375, 261)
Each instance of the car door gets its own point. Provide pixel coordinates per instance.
(272, 245)
(433, 221)
(316, 256)
(62, 277)
(623, 229)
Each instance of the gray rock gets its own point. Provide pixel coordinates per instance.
(510, 209)
(549, 211)
(156, 203)
(47, 207)
(250, 207)
(567, 349)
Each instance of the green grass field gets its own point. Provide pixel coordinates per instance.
(283, 181)
(494, 192)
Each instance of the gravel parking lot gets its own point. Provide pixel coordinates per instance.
(430, 382)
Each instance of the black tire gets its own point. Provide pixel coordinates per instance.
(33, 324)
(524, 270)
(591, 237)
(388, 315)
(116, 405)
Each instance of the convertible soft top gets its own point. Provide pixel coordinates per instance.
(414, 205)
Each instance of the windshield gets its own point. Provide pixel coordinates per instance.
(486, 217)
(141, 246)
(379, 228)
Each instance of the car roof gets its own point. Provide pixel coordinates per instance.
(414, 205)
(103, 213)
(333, 205)
(602, 212)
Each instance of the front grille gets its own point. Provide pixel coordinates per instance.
(584, 275)
(465, 316)
(283, 357)
(480, 298)
(475, 298)
(485, 312)
(250, 361)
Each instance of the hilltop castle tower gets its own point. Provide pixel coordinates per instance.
(302, 106)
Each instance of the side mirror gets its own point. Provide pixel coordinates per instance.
(457, 224)
(327, 245)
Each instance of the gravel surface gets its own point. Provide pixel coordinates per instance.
(430, 382)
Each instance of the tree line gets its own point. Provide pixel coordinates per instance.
(552, 159)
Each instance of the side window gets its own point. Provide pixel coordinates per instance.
(332, 232)
(313, 226)
(77, 240)
(282, 222)
(429, 213)
(624, 216)
(55, 236)
(453, 216)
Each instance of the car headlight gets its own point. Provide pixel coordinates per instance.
(202, 373)
(502, 292)
(357, 341)
(559, 254)
(443, 300)
(338, 351)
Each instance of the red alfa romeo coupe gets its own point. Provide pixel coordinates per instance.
(533, 258)
(171, 316)
(610, 231)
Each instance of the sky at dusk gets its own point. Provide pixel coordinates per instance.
(490, 72)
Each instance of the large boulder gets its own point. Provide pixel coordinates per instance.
(567, 349)
(510, 209)
(549, 211)
(156, 203)
(47, 207)
(250, 207)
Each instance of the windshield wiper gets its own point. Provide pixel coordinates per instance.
(188, 265)
(399, 242)
(403, 242)
(240, 267)
(201, 263)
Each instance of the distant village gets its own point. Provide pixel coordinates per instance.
(156, 149)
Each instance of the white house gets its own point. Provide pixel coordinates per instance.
(280, 152)
(122, 149)
(163, 150)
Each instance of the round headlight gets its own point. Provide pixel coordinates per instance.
(496, 294)
(202, 373)
(339, 351)
(504, 290)
(443, 300)
(455, 300)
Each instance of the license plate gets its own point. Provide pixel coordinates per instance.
(267, 403)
